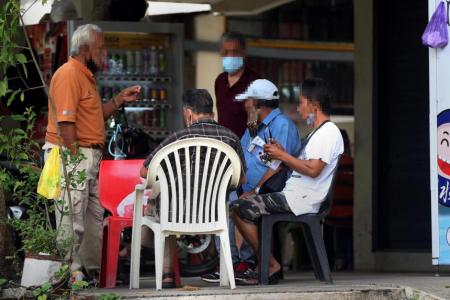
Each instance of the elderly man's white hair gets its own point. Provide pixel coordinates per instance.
(83, 36)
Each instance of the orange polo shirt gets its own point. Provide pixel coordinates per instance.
(74, 92)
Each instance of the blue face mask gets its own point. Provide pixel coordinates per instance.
(231, 64)
(310, 119)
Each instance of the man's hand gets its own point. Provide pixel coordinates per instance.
(275, 150)
(247, 194)
(143, 172)
(128, 95)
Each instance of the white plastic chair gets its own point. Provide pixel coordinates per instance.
(186, 208)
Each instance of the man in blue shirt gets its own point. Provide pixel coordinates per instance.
(266, 121)
(271, 123)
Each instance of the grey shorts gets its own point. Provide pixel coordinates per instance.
(252, 208)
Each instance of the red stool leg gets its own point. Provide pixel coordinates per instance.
(176, 268)
(104, 254)
(112, 255)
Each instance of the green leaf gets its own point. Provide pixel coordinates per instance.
(46, 286)
(12, 97)
(78, 285)
(37, 292)
(18, 118)
(21, 58)
(22, 96)
(22, 156)
(3, 87)
(42, 297)
(25, 71)
(3, 281)
(19, 131)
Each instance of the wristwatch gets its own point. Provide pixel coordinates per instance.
(257, 189)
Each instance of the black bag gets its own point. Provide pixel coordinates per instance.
(276, 182)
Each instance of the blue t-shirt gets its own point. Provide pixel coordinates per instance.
(283, 130)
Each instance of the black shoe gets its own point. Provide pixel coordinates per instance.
(249, 277)
(211, 277)
(252, 278)
(239, 276)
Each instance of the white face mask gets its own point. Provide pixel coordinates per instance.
(310, 119)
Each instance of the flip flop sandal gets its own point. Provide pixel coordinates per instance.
(168, 284)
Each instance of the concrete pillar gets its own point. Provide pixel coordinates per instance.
(208, 28)
(363, 107)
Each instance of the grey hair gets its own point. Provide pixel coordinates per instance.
(82, 36)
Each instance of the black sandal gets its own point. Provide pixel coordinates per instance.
(168, 284)
(252, 278)
(275, 277)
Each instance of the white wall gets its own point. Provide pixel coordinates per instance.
(207, 64)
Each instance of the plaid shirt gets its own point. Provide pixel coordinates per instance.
(204, 128)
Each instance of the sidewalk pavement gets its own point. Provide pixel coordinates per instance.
(347, 285)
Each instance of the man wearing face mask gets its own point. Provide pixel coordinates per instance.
(313, 170)
(233, 81)
(77, 110)
(199, 119)
(266, 121)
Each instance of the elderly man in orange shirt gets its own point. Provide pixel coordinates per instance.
(80, 115)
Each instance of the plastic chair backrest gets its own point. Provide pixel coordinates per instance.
(326, 205)
(194, 176)
(117, 179)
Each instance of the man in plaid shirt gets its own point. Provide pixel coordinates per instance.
(199, 119)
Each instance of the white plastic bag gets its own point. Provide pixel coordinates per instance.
(126, 206)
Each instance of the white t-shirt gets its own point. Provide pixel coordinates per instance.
(303, 193)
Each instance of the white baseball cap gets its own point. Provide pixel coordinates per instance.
(260, 89)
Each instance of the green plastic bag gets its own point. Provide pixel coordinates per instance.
(49, 185)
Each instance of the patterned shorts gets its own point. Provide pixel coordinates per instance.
(252, 208)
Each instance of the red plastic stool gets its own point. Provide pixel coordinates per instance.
(117, 179)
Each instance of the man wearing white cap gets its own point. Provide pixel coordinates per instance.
(262, 97)
(271, 124)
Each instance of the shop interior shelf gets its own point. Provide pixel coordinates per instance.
(148, 103)
(132, 79)
(154, 132)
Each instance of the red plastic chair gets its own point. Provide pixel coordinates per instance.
(117, 179)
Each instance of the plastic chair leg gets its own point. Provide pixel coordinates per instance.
(319, 246)
(176, 267)
(112, 257)
(135, 257)
(277, 247)
(103, 268)
(159, 258)
(265, 243)
(226, 262)
(312, 251)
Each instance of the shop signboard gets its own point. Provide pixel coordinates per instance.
(440, 149)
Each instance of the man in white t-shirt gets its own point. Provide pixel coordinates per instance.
(311, 178)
